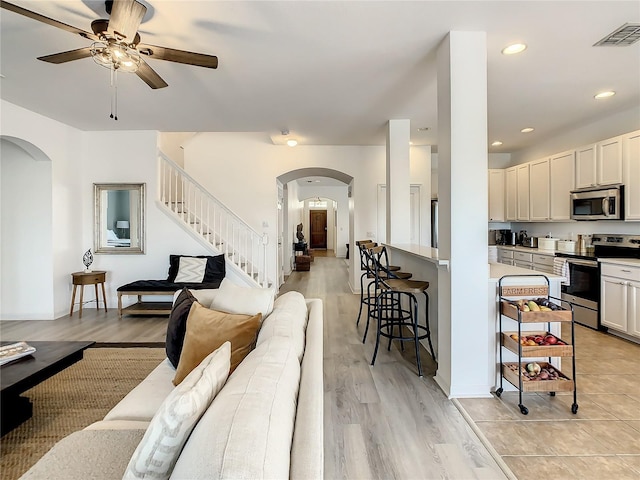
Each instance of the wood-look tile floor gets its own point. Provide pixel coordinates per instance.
(381, 422)
(600, 442)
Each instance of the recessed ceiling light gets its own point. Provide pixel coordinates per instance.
(497, 143)
(317, 181)
(608, 94)
(410, 143)
(527, 130)
(513, 49)
(292, 142)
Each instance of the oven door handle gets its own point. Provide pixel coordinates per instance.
(585, 263)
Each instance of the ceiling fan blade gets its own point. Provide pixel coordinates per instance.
(179, 56)
(64, 57)
(49, 21)
(149, 76)
(125, 19)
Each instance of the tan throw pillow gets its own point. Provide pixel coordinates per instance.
(208, 329)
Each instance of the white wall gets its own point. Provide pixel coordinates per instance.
(26, 232)
(61, 144)
(131, 157)
(240, 170)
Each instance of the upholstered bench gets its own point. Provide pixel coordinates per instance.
(194, 272)
(303, 263)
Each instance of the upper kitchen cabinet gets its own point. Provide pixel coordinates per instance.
(496, 195)
(561, 181)
(511, 196)
(599, 163)
(609, 161)
(522, 189)
(539, 187)
(631, 169)
(586, 166)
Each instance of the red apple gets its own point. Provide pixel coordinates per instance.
(551, 339)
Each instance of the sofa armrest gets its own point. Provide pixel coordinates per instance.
(307, 450)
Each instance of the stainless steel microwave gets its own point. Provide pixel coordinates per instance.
(606, 203)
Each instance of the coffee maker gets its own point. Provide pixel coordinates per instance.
(505, 237)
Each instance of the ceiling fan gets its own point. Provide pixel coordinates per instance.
(117, 43)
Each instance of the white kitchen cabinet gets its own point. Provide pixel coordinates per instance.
(543, 263)
(511, 194)
(586, 166)
(631, 174)
(539, 187)
(609, 161)
(496, 195)
(599, 163)
(561, 183)
(633, 309)
(522, 191)
(619, 297)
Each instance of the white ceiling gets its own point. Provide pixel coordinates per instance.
(331, 72)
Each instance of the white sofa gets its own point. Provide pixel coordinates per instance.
(266, 422)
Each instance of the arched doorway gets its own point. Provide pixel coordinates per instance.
(26, 257)
(294, 188)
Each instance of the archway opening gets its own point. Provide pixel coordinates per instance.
(26, 225)
(296, 190)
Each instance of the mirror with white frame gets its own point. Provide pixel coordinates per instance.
(119, 218)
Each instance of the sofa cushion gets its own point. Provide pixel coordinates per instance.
(232, 298)
(177, 325)
(169, 429)
(288, 319)
(214, 272)
(208, 329)
(143, 401)
(104, 455)
(247, 431)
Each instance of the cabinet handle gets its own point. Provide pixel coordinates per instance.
(625, 271)
(622, 283)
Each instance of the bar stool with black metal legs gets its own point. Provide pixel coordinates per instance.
(368, 273)
(371, 298)
(398, 316)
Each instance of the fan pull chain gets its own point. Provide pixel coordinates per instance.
(114, 93)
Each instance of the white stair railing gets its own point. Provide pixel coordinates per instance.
(207, 217)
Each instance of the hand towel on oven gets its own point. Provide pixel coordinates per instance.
(561, 267)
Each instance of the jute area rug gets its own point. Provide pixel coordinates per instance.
(72, 399)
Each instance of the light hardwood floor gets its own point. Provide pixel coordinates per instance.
(380, 422)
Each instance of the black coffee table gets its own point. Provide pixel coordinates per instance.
(17, 377)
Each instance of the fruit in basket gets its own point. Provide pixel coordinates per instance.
(533, 306)
(551, 340)
(533, 368)
(545, 309)
(526, 308)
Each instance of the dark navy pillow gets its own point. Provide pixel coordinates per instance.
(178, 325)
(214, 271)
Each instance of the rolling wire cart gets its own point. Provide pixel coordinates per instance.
(552, 312)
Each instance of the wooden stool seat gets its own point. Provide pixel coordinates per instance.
(407, 286)
(396, 274)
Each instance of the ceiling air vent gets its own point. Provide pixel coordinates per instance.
(627, 34)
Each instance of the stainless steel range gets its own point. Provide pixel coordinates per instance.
(583, 290)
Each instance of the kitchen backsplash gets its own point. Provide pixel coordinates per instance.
(566, 230)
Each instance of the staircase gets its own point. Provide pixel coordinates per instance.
(211, 223)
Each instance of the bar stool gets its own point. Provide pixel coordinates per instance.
(369, 273)
(394, 288)
(371, 300)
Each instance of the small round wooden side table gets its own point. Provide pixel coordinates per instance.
(88, 278)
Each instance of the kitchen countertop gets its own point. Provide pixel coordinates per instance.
(631, 262)
(499, 270)
(427, 253)
(519, 248)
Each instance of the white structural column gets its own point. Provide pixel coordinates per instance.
(398, 182)
(463, 193)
